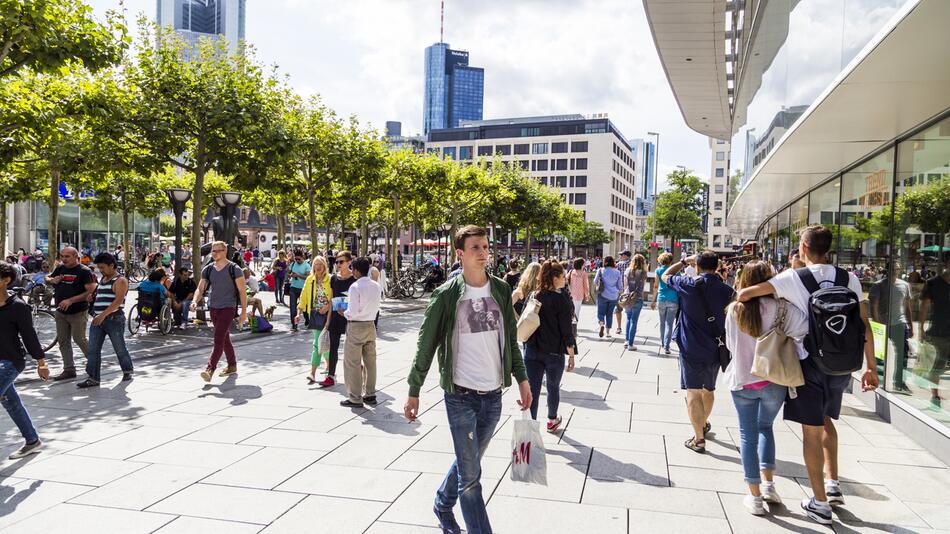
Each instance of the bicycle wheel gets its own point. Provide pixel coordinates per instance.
(137, 274)
(165, 320)
(134, 321)
(45, 325)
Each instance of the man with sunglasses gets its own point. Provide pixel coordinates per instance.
(340, 283)
(228, 287)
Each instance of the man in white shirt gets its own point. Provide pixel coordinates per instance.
(359, 352)
(818, 402)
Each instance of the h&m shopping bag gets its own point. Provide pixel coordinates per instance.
(528, 463)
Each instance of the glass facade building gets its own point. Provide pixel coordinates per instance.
(454, 91)
(196, 19)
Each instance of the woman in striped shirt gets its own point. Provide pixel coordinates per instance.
(108, 320)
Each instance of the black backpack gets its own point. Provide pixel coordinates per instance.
(835, 339)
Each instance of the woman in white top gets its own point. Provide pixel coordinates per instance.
(757, 401)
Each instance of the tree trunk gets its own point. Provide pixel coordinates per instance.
(527, 243)
(53, 232)
(3, 227)
(364, 232)
(312, 218)
(328, 238)
(394, 257)
(281, 231)
(125, 236)
(197, 200)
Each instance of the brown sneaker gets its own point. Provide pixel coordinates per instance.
(206, 374)
(228, 371)
(65, 375)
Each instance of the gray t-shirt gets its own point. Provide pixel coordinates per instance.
(223, 289)
(899, 292)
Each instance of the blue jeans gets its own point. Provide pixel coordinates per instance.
(605, 311)
(114, 327)
(633, 316)
(540, 365)
(12, 404)
(757, 409)
(668, 311)
(472, 420)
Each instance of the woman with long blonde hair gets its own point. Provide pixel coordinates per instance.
(316, 296)
(757, 401)
(527, 285)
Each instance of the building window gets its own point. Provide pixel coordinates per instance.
(530, 132)
(717, 205)
(243, 214)
(542, 165)
(717, 241)
(719, 189)
(524, 164)
(579, 146)
(539, 148)
(580, 198)
(560, 181)
(434, 150)
(720, 156)
(598, 127)
(558, 148)
(720, 172)
(465, 152)
(582, 164)
(720, 142)
(448, 152)
(484, 150)
(580, 181)
(521, 149)
(728, 241)
(560, 165)
(504, 150)
(717, 222)
(544, 180)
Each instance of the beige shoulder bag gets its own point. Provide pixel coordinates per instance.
(776, 358)
(529, 320)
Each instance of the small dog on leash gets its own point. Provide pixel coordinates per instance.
(269, 313)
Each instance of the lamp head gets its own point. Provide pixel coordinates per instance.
(231, 198)
(179, 195)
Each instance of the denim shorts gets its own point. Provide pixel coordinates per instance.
(698, 375)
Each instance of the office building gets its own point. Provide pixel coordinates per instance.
(718, 237)
(848, 107)
(454, 91)
(396, 141)
(195, 19)
(587, 159)
(644, 157)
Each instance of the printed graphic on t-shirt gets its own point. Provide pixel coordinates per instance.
(476, 316)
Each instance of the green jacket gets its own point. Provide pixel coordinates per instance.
(438, 329)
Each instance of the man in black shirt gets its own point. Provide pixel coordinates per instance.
(73, 284)
(183, 291)
(340, 284)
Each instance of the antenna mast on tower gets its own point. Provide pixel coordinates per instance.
(442, 23)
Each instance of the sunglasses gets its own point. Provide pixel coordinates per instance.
(218, 250)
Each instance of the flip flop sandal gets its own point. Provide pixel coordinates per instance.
(696, 445)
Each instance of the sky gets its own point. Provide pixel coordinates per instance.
(541, 57)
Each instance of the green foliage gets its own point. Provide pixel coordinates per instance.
(45, 35)
(679, 210)
(927, 207)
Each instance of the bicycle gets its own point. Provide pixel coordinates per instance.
(136, 273)
(44, 322)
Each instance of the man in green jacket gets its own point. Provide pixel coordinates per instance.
(471, 324)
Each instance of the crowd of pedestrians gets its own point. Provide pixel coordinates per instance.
(717, 316)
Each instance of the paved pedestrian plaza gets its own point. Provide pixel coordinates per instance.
(265, 452)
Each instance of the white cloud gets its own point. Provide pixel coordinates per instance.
(540, 57)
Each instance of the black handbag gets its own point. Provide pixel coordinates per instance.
(723, 352)
(317, 320)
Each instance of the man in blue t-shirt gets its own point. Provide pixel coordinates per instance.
(696, 337)
(297, 273)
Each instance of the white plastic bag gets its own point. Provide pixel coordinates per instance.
(323, 342)
(528, 463)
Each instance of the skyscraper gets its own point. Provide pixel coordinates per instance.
(454, 91)
(194, 19)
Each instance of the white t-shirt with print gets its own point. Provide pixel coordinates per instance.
(477, 334)
(789, 286)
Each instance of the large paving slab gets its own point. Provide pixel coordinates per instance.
(266, 452)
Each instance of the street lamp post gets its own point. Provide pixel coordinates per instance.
(444, 230)
(229, 201)
(178, 198)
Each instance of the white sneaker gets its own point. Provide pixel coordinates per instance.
(835, 497)
(607, 335)
(754, 505)
(770, 495)
(820, 513)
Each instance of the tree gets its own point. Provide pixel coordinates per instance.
(679, 210)
(44, 35)
(588, 233)
(734, 181)
(927, 207)
(213, 111)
